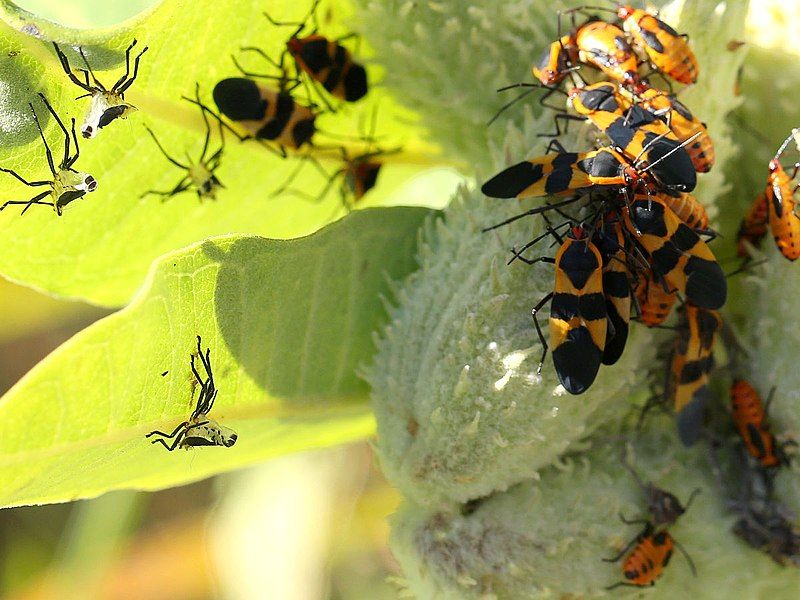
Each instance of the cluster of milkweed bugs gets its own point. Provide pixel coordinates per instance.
(649, 553)
(641, 248)
(275, 108)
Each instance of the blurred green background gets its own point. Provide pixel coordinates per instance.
(302, 527)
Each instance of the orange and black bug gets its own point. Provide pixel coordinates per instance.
(690, 364)
(783, 222)
(677, 254)
(610, 240)
(267, 114)
(106, 104)
(666, 48)
(754, 226)
(604, 46)
(556, 61)
(325, 61)
(655, 302)
(201, 174)
(663, 506)
(652, 551)
(638, 134)
(578, 317)
(680, 120)
(750, 418)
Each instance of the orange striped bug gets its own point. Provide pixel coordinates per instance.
(605, 47)
(750, 418)
(680, 120)
(690, 364)
(201, 174)
(783, 222)
(106, 104)
(637, 134)
(325, 61)
(677, 254)
(67, 184)
(578, 317)
(754, 226)
(267, 114)
(665, 47)
(610, 240)
(652, 551)
(655, 303)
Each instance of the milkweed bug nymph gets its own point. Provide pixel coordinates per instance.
(199, 430)
(358, 172)
(67, 184)
(106, 104)
(783, 221)
(750, 419)
(663, 506)
(325, 61)
(652, 551)
(666, 49)
(201, 174)
(753, 227)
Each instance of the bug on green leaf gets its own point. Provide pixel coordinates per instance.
(67, 184)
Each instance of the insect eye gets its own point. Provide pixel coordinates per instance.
(87, 131)
(90, 183)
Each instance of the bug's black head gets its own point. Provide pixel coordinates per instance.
(90, 183)
(239, 99)
(229, 440)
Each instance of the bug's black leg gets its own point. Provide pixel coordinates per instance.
(301, 162)
(28, 203)
(71, 161)
(171, 435)
(122, 79)
(64, 163)
(65, 65)
(534, 310)
(23, 180)
(164, 152)
(121, 90)
(47, 151)
(96, 81)
(181, 187)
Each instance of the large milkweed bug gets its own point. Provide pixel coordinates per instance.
(325, 61)
(556, 61)
(106, 104)
(750, 419)
(655, 302)
(610, 240)
(680, 120)
(67, 184)
(665, 47)
(637, 134)
(267, 114)
(578, 318)
(754, 226)
(772, 533)
(652, 551)
(199, 430)
(783, 222)
(677, 254)
(200, 175)
(691, 362)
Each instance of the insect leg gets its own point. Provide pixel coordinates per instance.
(44, 141)
(65, 65)
(129, 83)
(23, 180)
(534, 310)
(164, 152)
(28, 203)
